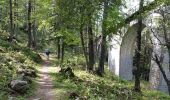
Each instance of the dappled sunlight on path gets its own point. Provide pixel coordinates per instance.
(45, 89)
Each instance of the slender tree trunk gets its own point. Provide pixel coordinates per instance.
(86, 43)
(168, 82)
(103, 41)
(102, 56)
(83, 45)
(167, 41)
(11, 21)
(169, 57)
(163, 72)
(138, 58)
(34, 42)
(15, 17)
(137, 87)
(90, 39)
(62, 51)
(59, 48)
(0, 14)
(29, 24)
(91, 48)
(164, 75)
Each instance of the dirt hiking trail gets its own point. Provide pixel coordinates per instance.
(45, 88)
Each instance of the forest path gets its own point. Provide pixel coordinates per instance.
(45, 88)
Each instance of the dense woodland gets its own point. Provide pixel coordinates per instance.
(78, 34)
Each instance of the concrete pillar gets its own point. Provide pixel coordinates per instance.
(126, 54)
(114, 54)
(156, 78)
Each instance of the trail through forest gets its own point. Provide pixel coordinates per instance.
(45, 89)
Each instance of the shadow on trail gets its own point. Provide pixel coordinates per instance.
(45, 89)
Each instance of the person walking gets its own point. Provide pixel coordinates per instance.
(47, 52)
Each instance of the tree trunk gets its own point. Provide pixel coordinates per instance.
(168, 47)
(58, 48)
(91, 49)
(167, 44)
(169, 57)
(163, 72)
(11, 21)
(137, 87)
(168, 84)
(103, 41)
(102, 56)
(0, 14)
(34, 40)
(29, 24)
(138, 58)
(167, 41)
(83, 44)
(16, 17)
(62, 52)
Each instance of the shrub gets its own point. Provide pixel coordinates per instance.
(6, 76)
(32, 55)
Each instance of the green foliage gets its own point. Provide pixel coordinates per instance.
(32, 55)
(92, 87)
(20, 57)
(64, 18)
(113, 19)
(23, 52)
(70, 37)
(73, 61)
(12, 60)
(3, 95)
(11, 63)
(6, 76)
(4, 35)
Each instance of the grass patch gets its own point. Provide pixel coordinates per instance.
(109, 87)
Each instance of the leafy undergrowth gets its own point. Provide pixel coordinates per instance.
(13, 58)
(87, 86)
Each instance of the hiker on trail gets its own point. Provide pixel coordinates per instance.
(47, 52)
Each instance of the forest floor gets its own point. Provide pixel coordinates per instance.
(52, 85)
(45, 88)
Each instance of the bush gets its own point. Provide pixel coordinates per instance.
(2, 50)
(4, 34)
(32, 55)
(6, 76)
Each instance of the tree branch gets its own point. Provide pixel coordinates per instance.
(145, 9)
